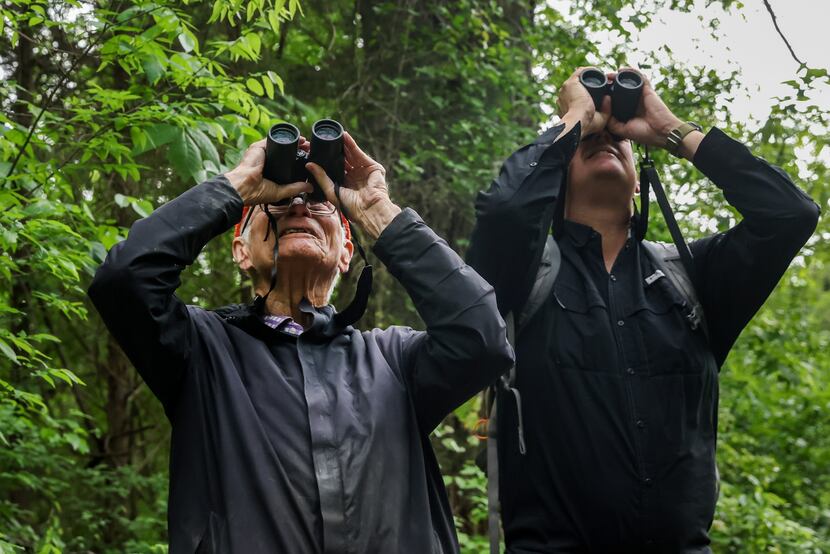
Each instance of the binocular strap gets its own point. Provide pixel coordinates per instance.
(649, 178)
(357, 306)
(259, 301)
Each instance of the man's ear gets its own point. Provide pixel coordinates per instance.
(637, 188)
(241, 255)
(346, 253)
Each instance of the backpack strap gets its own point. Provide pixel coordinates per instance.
(669, 263)
(493, 507)
(543, 283)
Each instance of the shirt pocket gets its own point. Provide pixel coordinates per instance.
(582, 335)
(670, 344)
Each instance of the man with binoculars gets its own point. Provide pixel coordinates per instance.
(292, 431)
(607, 427)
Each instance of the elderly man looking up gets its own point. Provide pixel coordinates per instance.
(292, 430)
(617, 369)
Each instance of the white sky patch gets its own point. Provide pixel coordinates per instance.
(746, 41)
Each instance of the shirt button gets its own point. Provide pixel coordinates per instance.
(532, 164)
(648, 481)
(620, 322)
(629, 370)
(641, 423)
(613, 277)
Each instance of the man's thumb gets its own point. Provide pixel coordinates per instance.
(323, 180)
(273, 192)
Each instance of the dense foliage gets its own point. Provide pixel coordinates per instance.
(111, 107)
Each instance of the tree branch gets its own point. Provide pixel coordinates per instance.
(777, 28)
(45, 104)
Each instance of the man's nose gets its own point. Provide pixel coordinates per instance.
(298, 206)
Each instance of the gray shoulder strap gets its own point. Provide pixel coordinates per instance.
(543, 284)
(667, 260)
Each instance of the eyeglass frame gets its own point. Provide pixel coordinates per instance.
(279, 210)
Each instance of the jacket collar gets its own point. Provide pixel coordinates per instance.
(247, 317)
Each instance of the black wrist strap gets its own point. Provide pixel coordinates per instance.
(649, 178)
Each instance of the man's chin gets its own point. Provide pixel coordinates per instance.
(306, 248)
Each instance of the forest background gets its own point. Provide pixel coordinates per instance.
(112, 107)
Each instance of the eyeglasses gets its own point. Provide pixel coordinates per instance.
(316, 207)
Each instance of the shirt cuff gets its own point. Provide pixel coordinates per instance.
(560, 148)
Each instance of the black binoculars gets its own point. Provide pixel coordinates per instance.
(625, 90)
(285, 162)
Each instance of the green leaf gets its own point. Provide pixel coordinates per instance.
(274, 20)
(157, 135)
(122, 201)
(184, 156)
(206, 147)
(254, 86)
(139, 138)
(153, 68)
(188, 41)
(142, 207)
(277, 80)
(8, 352)
(269, 86)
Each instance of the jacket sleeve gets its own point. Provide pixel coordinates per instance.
(134, 288)
(514, 216)
(465, 345)
(738, 269)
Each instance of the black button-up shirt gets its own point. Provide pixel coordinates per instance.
(619, 394)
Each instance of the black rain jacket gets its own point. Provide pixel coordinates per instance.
(619, 393)
(310, 444)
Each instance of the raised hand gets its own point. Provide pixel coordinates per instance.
(364, 194)
(653, 121)
(574, 104)
(247, 178)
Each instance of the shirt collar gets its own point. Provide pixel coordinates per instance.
(283, 323)
(581, 234)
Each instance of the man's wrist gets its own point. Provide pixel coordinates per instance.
(241, 181)
(375, 219)
(682, 138)
(689, 144)
(572, 117)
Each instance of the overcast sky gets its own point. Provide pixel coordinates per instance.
(747, 40)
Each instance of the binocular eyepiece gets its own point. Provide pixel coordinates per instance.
(625, 90)
(285, 162)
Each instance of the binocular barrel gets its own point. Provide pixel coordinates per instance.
(327, 149)
(285, 162)
(596, 83)
(281, 147)
(625, 90)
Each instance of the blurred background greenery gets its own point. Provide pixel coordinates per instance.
(112, 107)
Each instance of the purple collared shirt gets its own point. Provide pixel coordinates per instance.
(283, 323)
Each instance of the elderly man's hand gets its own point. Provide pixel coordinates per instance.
(575, 104)
(364, 195)
(247, 178)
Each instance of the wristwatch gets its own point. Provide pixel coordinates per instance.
(677, 135)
